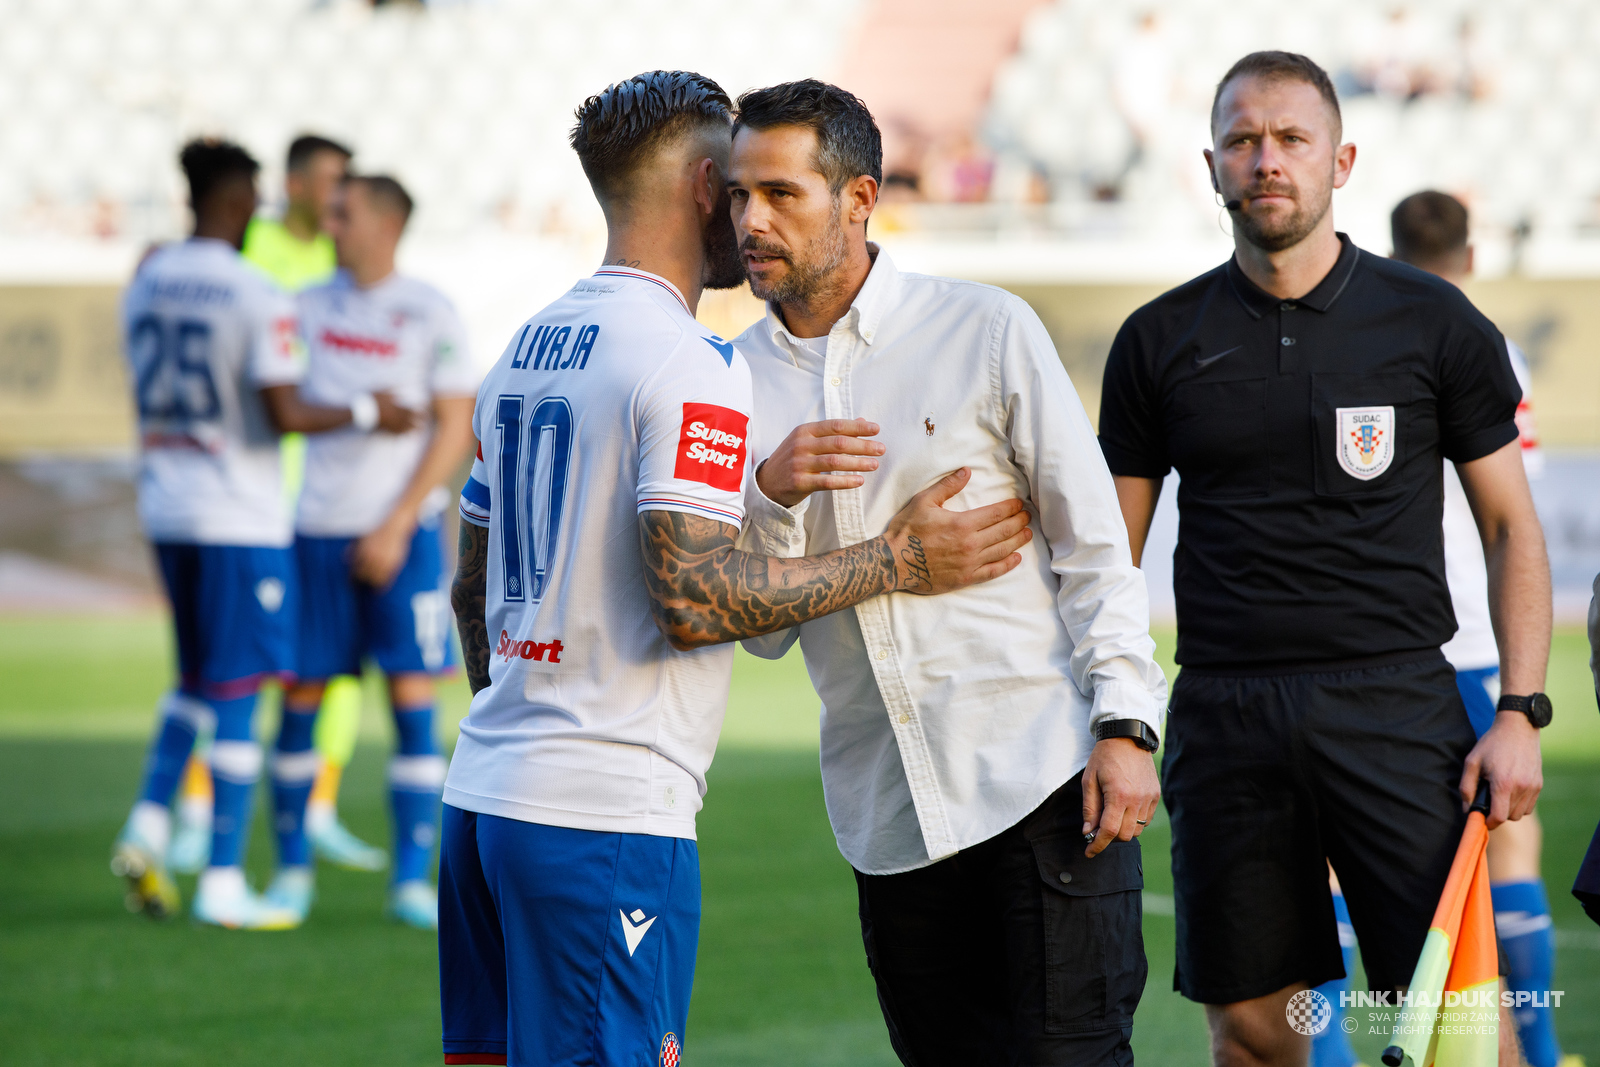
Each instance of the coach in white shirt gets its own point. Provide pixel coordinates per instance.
(956, 731)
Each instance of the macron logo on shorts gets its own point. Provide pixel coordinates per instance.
(711, 446)
(635, 927)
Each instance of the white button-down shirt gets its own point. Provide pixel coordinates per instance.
(947, 719)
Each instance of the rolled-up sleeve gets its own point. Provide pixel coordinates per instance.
(1102, 596)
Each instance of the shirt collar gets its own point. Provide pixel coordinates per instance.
(610, 271)
(866, 310)
(1257, 301)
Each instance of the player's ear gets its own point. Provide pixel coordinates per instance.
(1211, 169)
(862, 195)
(707, 181)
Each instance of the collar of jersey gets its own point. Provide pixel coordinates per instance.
(1257, 301)
(866, 310)
(645, 276)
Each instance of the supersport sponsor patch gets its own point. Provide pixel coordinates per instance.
(711, 446)
(543, 651)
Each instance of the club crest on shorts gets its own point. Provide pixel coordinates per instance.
(669, 1051)
(1366, 440)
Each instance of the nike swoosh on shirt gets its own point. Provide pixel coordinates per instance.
(724, 349)
(1198, 362)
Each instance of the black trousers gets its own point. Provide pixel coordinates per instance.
(1018, 952)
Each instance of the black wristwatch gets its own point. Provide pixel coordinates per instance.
(1136, 730)
(1536, 707)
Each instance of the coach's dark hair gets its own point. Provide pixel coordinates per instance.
(386, 192)
(1428, 228)
(1283, 66)
(619, 129)
(209, 162)
(848, 142)
(302, 148)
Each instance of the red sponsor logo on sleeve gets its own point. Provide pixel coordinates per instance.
(712, 446)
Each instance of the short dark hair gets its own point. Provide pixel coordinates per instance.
(386, 192)
(302, 148)
(1283, 66)
(1428, 228)
(619, 129)
(209, 162)
(848, 142)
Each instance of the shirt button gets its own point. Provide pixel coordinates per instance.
(1287, 305)
(1065, 876)
(904, 718)
(1287, 341)
(833, 381)
(882, 653)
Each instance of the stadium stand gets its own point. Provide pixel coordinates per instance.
(1486, 99)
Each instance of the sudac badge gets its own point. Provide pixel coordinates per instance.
(1366, 441)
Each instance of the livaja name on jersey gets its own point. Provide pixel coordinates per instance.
(711, 446)
(548, 348)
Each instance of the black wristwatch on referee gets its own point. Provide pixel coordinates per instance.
(1536, 707)
(1136, 730)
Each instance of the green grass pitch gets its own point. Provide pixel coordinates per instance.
(781, 977)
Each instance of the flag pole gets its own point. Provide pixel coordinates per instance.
(1433, 965)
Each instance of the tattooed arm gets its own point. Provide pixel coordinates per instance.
(703, 591)
(469, 596)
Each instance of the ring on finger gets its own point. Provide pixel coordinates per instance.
(1142, 822)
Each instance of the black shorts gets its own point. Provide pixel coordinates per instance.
(1015, 951)
(1266, 777)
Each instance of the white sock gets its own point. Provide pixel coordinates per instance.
(151, 823)
(225, 882)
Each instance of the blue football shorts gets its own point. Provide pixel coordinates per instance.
(1480, 691)
(233, 614)
(404, 628)
(560, 946)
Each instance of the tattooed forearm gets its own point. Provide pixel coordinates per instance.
(469, 598)
(704, 591)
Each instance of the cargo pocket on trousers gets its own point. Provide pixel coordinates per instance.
(1093, 943)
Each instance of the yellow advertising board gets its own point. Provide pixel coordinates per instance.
(63, 385)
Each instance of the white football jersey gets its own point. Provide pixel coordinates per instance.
(204, 332)
(610, 402)
(1473, 647)
(400, 335)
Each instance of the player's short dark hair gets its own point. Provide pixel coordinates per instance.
(386, 192)
(848, 142)
(209, 162)
(619, 129)
(302, 148)
(1283, 66)
(1428, 228)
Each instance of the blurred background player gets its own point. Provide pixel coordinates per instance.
(211, 348)
(367, 530)
(296, 253)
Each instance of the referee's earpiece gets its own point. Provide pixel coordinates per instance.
(1223, 208)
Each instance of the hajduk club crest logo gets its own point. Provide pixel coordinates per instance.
(1366, 441)
(669, 1051)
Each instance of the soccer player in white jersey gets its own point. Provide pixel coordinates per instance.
(210, 343)
(367, 531)
(597, 568)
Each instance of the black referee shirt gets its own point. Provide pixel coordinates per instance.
(1308, 436)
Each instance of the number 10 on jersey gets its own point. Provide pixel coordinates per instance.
(532, 460)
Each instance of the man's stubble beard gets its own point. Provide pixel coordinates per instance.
(1294, 229)
(724, 267)
(809, 273)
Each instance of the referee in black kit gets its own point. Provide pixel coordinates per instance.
(1308, 393)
